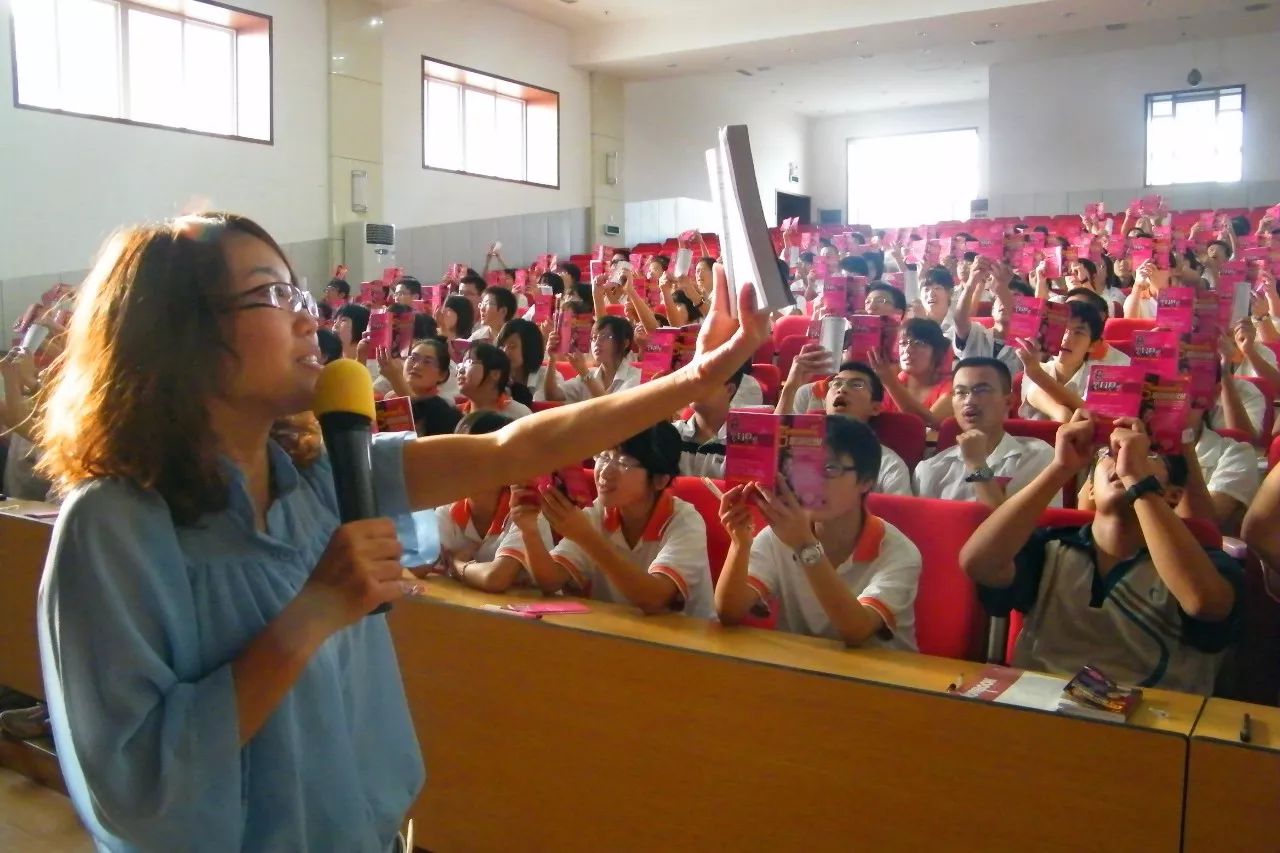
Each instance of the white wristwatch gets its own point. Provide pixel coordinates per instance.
(809, 555)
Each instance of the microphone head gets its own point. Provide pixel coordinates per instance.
(344, 386)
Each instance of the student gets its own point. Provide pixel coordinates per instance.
(1261, 526)
(1132, 593)
(456, 318)
(1055, 389)
(974, 340)
(921, 386)
(639, 543)
(337, 292)
(838, 572)
(222, 674)
(885, 300)
(986, 464)
(702, 434)
(350, 323)
(1254, 360)
(492, 560)
(935, 295)
(1224, 472)
(521, 340)
(611, 341)
(1084, 273)
(406, 290)
(471, 287)
(1141, 302)
(497, 306)
(483, 377)
(854, 392)
(420, 377)
(330, 345)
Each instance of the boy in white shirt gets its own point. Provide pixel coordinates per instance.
(639, 544)
(987, 464)
(973, 340)
(838, 572)
(1055, 389)
(1132, 593)
(702, 435)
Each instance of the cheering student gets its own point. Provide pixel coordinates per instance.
(405, 290)
(702, 434)
(936, 290)
(213, 675)
(497, 306)
(611, 340)
(917, 384)
(1132, 593)
(337, 292)
(471, 287)
(456, 318)
(420, 376)
(1261, 527)
(522, 341)
(639, 543)
(483, 377)
(974, 340)
(885, 300)
(855, 391)
(986, 464)
(838, 572)
(1055, 389)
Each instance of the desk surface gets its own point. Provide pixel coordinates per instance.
(1161, 710)
(1222, 720)
(1233, 788)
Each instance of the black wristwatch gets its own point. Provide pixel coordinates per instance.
(1146, 486)
(983, 475)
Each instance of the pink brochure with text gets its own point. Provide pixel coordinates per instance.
(802, 458)
(1168, 407)
(575, 332)
(1115, 391)
(1053, 261)
(1200, 362)
(380, 329)
(543, 306)
(658, 352)
(1023, 322)
(435, 295)
(1174, 309)
(835, 295)
(1158, 351)
(751, 448)
(768, 449)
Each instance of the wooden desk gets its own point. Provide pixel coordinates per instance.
(23, 544)
(612, 731)
(1233, 788)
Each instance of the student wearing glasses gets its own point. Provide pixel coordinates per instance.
(638, 544)
(917, 384)
(1053, 390)
(986, 464)
(838, 572)
(1132, 593)
(973, 340)
(483, 377)
(405, 290)
(209, 657)
(420, 377)
(611, 341)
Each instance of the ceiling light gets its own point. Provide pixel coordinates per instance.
(791, 50)
(1115, 28)
(375, 22)
(980, 42)
(338, 58)
(1257, 7)
(865, 55)
(995, 25)
(922, 35)
(671, 65)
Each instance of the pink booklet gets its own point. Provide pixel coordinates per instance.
(872, 333)
(575, 332)
(380, 329)
(1115, 391)
(1199, 360)
(835, 295)
(1053, 261)
(1169, 406)
(768, 449)
(1158, 351)
(1038, 320)
(393, 414)
(658, 353)
(543, 306)
(1175, 309)
(435, 295)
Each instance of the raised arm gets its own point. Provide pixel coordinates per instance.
(1261, 527)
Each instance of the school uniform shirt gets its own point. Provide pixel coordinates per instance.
(502, 538)
(895, 476)
(883, 571)
(1016, 462)
(628, 376)
(1246, 369)
(749, 393)
(673, 544)
(1255, 405)
(1128, 624)
(981, 343)
(1229, 467)
(1078, 383)
(506, 406)
(482, 333)
(1115, 296)
(1146, 308)
(697, 458)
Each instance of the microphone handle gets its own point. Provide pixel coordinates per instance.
(348, 438)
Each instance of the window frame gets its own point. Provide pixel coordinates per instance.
(124, 7)
(463, 86)
(1149, 99)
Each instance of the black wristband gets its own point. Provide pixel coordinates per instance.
(1145, 486)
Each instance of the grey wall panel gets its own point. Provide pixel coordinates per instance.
(558, 237)
(511, 233)
(310, 260)
(1264, 193)
(1229, 195)
(483, 233)
(457, 243)
(534, 226)
(579, 224)
(428, 253)
(1189, 196)
(17, 293)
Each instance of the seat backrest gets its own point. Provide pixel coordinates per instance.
(785, 327)
(1273, 455)
(903, 433)
(766, 353)
(1125, 347)
(698, 491)
(1250, 673)
(950, 621)
(986, 321)
(1046, 431)
(1268, 410)
(948, 430)
(1015, 395)
(788, 350)
(1122, 328)
(543, 405)
(566, 370)
(770, 381)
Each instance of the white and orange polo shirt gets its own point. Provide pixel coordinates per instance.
(882, 571)
(501, 539)
(673, 544)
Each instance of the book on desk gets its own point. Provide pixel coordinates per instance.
(1089, 693)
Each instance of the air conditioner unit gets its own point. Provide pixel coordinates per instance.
(369, 249)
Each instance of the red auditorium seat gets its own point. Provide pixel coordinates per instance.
(785, 327)
(903, 433)
(1122, 328)
(986, 322)
(766, 353)
(788, 350)
(566, 370)
(1268, 410)
(1250, 672)
(770, 381)
(950, 621)
(1273, 455)
(543, 405)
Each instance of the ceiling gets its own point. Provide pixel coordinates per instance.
(827, 57)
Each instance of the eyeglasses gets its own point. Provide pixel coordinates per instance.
(878, 301)
(279, 294)
(838, 384)
(834, 470)
(425, 360)
(912, 343)
(977, 392)
(603, 336)
(622, 463)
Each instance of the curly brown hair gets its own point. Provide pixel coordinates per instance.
(128, 396)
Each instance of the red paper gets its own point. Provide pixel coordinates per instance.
(379, 329)
(393, 414)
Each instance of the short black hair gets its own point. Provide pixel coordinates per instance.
(475, 281)
(1240, 225)
(807, 257)
(482, 422)
(466, 312)
(441, 347)
(552, 280)
(1177, 468)
(1092, 297)
(573, 270)
(424, 326)
(1021, 288)
(657, 449)
(359, 317)
(970, 257)
(410, 282)
(340, 285)
(505, 299)
(330, 345)
(897, 296)
(1088, 265)
(492, 359)
(929, 332)
(847, 437)
(877, 387)
(1226, 247)
(663, 261)
(533, 348)
(623, 332)
(942, 277)
(978, 362)
(1086, 313)
(854, 265)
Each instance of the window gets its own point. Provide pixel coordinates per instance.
(478, 124)
(913, 178)
(172, 63)
(1195, 136)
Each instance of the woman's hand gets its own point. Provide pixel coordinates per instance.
(553, 346)
(389, 364)
(342, 328)
(578, 361)
(358, 571)
(811, 362)
(735, 514)
(364, 348)
(885, 369)
(1073, 443)
(725, 344)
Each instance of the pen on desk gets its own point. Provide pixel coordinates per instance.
(955, 685)
(1246, 729)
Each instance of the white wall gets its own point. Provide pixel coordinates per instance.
(67, 182)
(1076, 126)
(498, 41)
(671, 123)
(829, 138)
